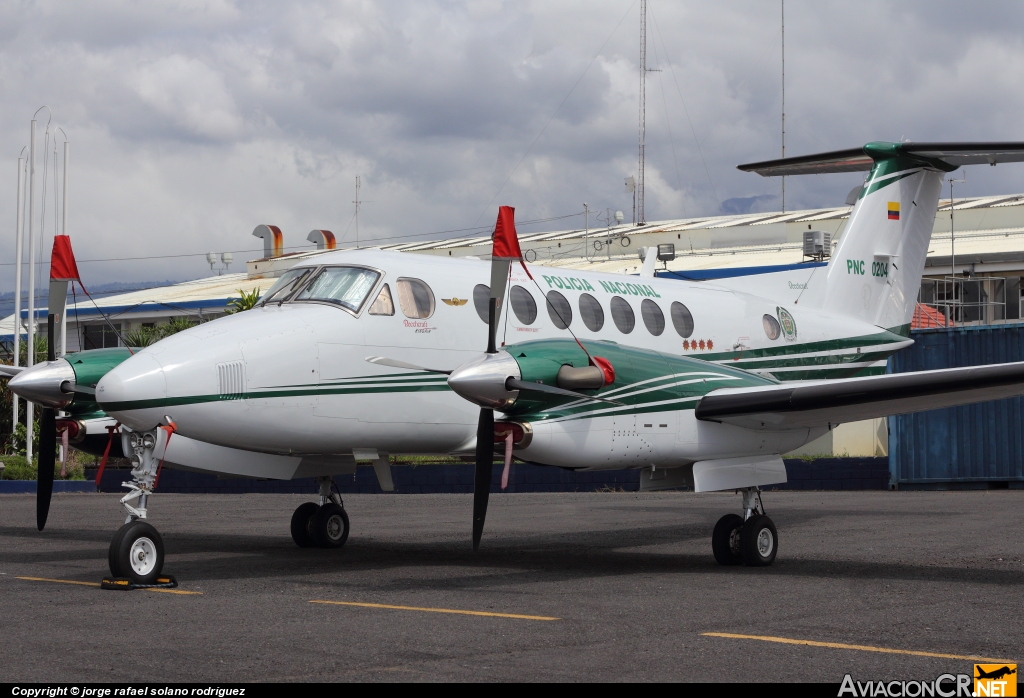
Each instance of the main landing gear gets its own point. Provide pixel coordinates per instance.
(751, 539)
(323, 525)
(137, 550)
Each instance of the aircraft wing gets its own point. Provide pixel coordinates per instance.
(859, 159)
(820, 403)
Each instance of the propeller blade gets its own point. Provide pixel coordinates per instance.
(484, 466)
(395, 363)
(47, 446)
(516, 384)
(492, 324)
(69, 387)
(10, 371)
(45, 463)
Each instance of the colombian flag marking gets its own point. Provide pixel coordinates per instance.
(894, 210)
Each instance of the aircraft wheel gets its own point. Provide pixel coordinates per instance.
(301, 520)
(112, 552)
(759, 541)
(139, 552)
(725, 541)
(329, 526)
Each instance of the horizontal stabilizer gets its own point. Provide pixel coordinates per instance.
(822, 403)
(946, 156)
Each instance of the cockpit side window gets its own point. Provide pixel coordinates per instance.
(415, 298)
(344, 286)
(383, 305)
(285, 286)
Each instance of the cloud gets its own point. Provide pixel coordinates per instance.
(193, 122)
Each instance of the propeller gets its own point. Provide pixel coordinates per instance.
(516, 384)
(395, 363)
(47, 445)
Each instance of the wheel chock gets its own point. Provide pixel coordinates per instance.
(164, 581)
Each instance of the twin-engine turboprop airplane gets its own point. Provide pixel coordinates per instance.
(353, 355)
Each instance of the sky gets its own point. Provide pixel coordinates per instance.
(192, 122)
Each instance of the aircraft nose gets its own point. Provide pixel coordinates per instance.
(42, 384)
(133, 390)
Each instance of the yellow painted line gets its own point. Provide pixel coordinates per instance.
(860, 648)
(435, 610)
(96, 584)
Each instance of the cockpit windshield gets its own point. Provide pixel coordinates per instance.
(344, 286)
(285, 286)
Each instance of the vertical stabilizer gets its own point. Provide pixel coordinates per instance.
(875, 271)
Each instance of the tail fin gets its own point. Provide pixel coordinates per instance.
(875, 271)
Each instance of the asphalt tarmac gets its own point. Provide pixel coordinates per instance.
(617, 587)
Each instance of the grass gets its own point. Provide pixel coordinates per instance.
(18, 468)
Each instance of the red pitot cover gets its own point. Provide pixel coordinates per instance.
(62, 261)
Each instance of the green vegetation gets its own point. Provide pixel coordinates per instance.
(145, 336)
(17, 468)
(247, 301)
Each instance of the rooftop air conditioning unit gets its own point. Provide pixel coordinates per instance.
(817, 244)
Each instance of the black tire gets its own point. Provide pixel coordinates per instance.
(115, 544)
(140, 553)
(329, 526)
(759, 541)
(725, 541)
(300, 525)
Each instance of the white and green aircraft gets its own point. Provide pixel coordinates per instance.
(357, 354)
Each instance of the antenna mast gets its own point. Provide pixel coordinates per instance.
(643, 114)
(783, 99)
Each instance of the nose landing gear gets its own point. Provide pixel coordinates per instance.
(751, 540)
(136, 552)
(323, 525)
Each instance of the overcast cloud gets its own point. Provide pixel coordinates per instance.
(191, 122)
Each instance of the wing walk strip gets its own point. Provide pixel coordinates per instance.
(859, 648)
(421, 609)
(76, 582)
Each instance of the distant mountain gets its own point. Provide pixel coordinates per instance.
(97, 291)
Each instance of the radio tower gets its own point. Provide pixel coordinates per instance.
(643, 115)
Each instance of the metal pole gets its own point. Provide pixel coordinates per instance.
(356, 202)
(19, 236)
(643, 111)
(586, 230)
(64, 231)
(783, 99)
(31, 358)
(952, 233)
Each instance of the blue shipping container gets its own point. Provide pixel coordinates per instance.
(979, 445)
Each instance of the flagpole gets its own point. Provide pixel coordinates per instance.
(31, 358)
(19, 235)
(64, 231)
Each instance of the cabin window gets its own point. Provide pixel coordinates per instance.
(344, 286)
(286, 285)
(771, 327)
(559, 310)
(682, 320)
(523, 305)
(622, 315)
(591, 312)
(654, 319)
(384, 305)
(481, 301)
(416, 298)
